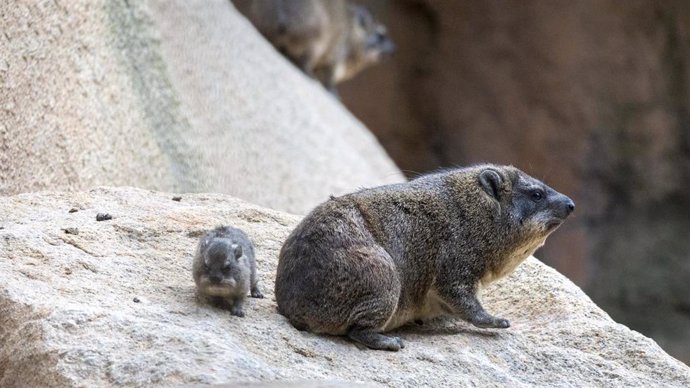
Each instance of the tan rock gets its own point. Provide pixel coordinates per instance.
(115, 305)
(170, 95)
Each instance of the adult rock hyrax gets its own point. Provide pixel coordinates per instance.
(224, 269)
(329, 40)
(371, 261)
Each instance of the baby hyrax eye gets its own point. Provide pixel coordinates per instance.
(237, 249)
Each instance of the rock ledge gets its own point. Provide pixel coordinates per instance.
(88, 303)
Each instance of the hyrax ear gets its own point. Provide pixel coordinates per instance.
(238, 250)
(492, 182)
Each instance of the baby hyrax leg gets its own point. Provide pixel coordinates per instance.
(256, 292)
(237, 308)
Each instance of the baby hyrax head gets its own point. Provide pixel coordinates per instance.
(221, 273)
(529, 205)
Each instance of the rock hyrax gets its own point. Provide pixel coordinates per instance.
(224, 269)
(329, 40)
(371, 261)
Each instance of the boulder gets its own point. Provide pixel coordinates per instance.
(169, 95)
(112, 303)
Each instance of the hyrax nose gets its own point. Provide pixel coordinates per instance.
(569, 206)
(215, 278)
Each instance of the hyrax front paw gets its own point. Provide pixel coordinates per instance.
(491, 322)
(256, 293)
(237, 311)
(501, 323)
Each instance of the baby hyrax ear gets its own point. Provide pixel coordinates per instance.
(238, 251)
(492, 182)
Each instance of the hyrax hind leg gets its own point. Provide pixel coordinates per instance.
(381, 291)
(375, 340)
(370, 322)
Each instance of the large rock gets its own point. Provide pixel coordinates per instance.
(112, 303)
(170, 95)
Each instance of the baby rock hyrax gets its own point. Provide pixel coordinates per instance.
(329, 40)
(368, 262)
(224, 269)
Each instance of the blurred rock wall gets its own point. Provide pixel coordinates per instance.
(591, 96)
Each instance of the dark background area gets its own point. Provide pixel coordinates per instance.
(593, 97)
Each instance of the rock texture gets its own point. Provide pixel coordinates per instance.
(87, 303)
(592, 96)
(170, 95)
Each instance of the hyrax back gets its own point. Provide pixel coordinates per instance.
(224, 268)
(329, 40)
(371, 261)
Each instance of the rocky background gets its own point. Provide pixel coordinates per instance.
(591, 96)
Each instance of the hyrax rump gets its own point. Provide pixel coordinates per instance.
(329, 40)
(224, 269)
(370, 261)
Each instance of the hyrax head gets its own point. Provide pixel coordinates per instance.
(369, 40)
(527, 205)
(221, 270)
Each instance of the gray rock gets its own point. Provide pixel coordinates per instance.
(69, 317)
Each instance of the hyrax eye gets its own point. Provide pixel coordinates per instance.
(537, 196)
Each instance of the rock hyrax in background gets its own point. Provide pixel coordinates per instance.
(329, 40)
(224, 269)
(371, 261)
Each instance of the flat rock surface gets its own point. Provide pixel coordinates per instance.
(89, 303)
